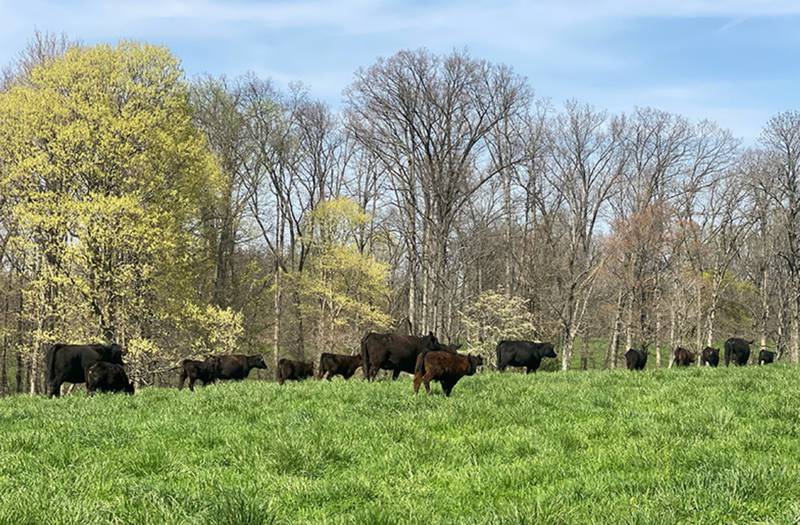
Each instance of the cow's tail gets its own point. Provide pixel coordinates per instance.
(419, 369)
(365, 356)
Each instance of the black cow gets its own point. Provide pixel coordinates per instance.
(766, 357)
(445, 367)
(69, 363)
(338, 364)
(293, 370)
(636, 359)
(237, 366)
(206, 371)
(737, 350)
(394, 352)
(710, 356)
(107, 377)
(683, 357)
(522, 353)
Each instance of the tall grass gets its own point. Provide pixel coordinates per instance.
(663, 446)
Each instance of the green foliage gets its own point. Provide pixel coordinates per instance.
(493, 317)
(106, 175)
(658, 447)
(213, 329)
(344, 290)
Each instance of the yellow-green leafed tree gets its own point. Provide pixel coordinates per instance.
(105, 175)
(344, 291)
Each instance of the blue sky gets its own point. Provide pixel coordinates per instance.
(732, 61)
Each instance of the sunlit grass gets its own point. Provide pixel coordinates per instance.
(668, 446)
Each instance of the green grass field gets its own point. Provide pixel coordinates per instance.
(666, 446)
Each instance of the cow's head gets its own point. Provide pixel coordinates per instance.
(474, 362)
(256, 361)
(548, 350)
(431, 343)
(452, 348)
(114, 354)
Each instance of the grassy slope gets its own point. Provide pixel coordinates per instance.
(668, 446)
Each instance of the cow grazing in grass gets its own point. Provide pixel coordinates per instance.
(445, 367)
(293, 370)
(522, 353)
(338, 364)
(237, 367)
(683, 357)
(107, 377)
(636, 359)
(204, 371)
(69, 363)
(766, 357)
(394, 352)
(737, 350)
(710, 356)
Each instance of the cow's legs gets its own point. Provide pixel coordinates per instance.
(426, 380)
(55, 389)
(395, 374)
(181, 380)
(191, 383)
(417, 381)
(529, 369)
(447, 387)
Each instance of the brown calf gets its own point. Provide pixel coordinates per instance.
(445, 367)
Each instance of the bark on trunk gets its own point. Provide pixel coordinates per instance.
(613, 347)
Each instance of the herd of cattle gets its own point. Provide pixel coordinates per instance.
(737, 351)
(102, 369)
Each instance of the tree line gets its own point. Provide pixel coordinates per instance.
(182, 217)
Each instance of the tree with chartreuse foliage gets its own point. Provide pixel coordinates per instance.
(345, 291)
(105, 175)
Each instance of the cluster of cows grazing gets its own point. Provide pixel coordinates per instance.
(102, 369)
(737, 351)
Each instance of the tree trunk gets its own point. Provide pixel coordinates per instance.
(4, 350)
(765, 312)
(613, 347)
(699, 314)
(794, 354)
(712, 315)
(276, 305)
(566, 353)
(629, 322)
(509, 251)
(657, 312)
(412, 293)
(20, 372)
(584, 352)
(672, 320)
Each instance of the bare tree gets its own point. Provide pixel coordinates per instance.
(781, 137)
(585, 164)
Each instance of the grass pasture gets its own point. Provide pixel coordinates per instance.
(662, 446)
